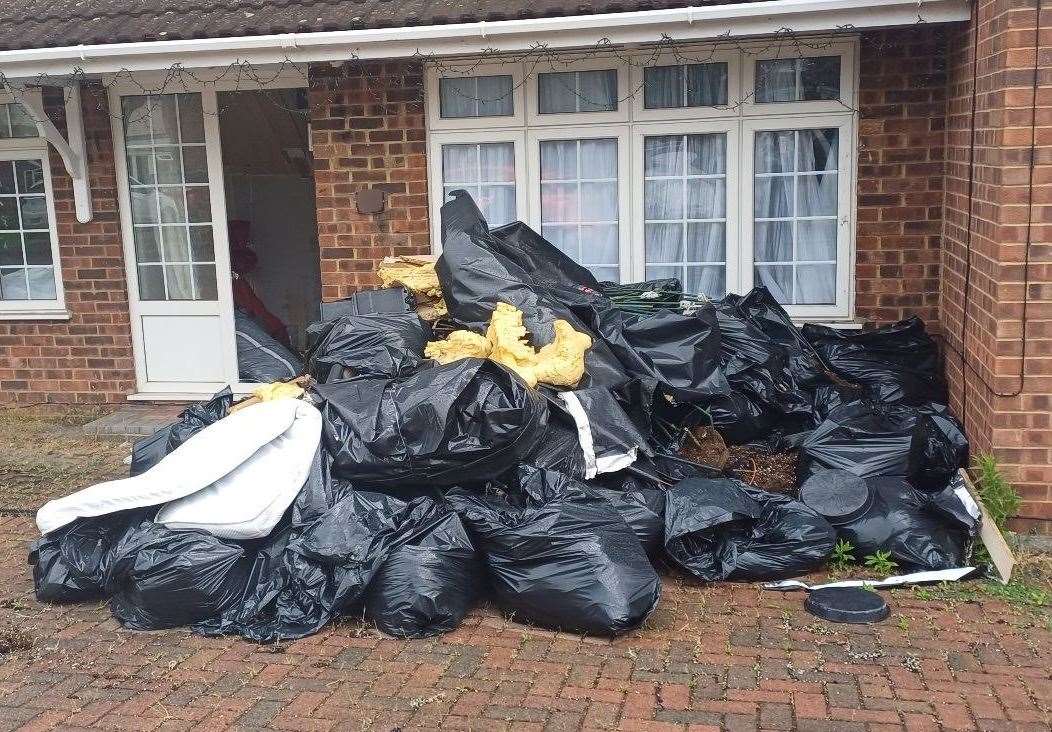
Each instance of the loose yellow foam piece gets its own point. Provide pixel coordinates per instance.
(278, 390)
(459, 344)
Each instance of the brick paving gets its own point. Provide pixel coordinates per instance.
(725, 656)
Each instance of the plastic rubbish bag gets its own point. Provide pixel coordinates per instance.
(428, 584)
(722, 529)
(544, 262)
(643, 509)
(366, 345)
(260, 358)
(897, 364)
(476, 275)
(162, 578)
(558, 555)
(924, 444)
(608, 439)
(69, 564)
(442, 425)
(921, 530)
(148, 451)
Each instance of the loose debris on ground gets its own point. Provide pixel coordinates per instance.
(771, 471)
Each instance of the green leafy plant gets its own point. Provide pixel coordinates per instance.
(881, 563)
(996, 493)
(843, 555)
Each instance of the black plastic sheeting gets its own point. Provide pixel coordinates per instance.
(148, 451)
(922, 531)
(726, 530)
(260, 358)
(366, 345)
(560, 556)
(897, 364)
(443, 425)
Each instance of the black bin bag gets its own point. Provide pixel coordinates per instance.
(441, 425)
(476, 273)
(70, 563)
(924, 444)
(922, 531)
(897, 364)
(260, 357)
(722, 529)
(558, 555)
(431, 581)
(643, 509)
(162, 578)
(366, 345)
(148, 451)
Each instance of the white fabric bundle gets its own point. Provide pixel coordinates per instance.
(234, 478)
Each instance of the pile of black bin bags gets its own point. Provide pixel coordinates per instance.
(434, 486)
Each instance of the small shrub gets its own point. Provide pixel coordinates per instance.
(881, 563)
(843, 555)
(996, 493)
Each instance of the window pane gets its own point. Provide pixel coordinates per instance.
(38, 247)
(151, 282)
(598, 201)
(136, 120)
(11, 249)
(816, 195)
(599, 243)
(707, 85)
(664, 242)
(475, 96)
(201, 249)
(558, 159)
(147, 244)
(198, 205)
(559, 202)
(163, 120)
(191, 119)
(605, 274)
(29, 176)
(205, 282)
(172, 205)
(13, 284)
(34, 212)
(7, 178)
(662, 87)
(174, 244)
(497, 204)
(818, 149)
(706, 198)
(565, 92)
(776, 80)
(778, 279)
(41, 283)
(663, 155)
(22, 125)
(816, 284)
(497, 163)
(663, 199)
(167, 164)
(706, 154)
(664, 273)
(710, 280)
(817, 240)
(177, 279)
(599, 159)
(820, 78)
(775, 151)
(459, 164)
(773, 241)
(195, 165)
(706, 242)
(773, 197)
(9, 214)
(563, 237)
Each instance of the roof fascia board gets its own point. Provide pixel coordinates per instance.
(685, 24)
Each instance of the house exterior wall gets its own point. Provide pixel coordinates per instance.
(1001, 383)
(88, 358)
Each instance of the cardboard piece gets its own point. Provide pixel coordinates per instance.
(1000, 552)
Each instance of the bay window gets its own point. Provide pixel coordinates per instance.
(723, 169)
(30, 276)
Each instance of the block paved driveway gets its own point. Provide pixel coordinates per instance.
(726, 656)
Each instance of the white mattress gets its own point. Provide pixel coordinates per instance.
(234, 478)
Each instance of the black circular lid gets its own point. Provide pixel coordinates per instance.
(838, 495)
(847, 605)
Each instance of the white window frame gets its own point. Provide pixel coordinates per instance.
(739, 120)
(467, 69)
(845, 206)
(731, 58)
(699, 127)
(35, 148)
(434, 173)
(589, 132)
(848, 53)
(534, 118)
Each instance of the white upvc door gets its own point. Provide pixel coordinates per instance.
(173, 216)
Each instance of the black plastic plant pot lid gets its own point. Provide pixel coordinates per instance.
(847, 605)
(837, 495)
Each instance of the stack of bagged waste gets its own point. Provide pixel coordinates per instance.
(528, 451)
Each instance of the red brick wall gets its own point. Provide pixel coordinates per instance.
(902, 111)
(367, 122)
(1004, 414)
(87, 359)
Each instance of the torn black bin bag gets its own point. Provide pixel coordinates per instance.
(457, 423)
(431, 581)
(476, 274)
(923, 444)
(922, 531)
(544, 262)
(163, 578)
(366, 345)
(69, 564)
(260, 358)
(722, 529)
(897, 364)
(148, 451)
(560, 556)
(607, 437)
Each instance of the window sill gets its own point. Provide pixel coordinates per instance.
(35, 315)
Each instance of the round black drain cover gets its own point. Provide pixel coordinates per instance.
(847, 605)
(837, 495)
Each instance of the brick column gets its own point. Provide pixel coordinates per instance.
(367, 123)
(993, 207)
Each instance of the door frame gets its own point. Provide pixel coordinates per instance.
(283, 76)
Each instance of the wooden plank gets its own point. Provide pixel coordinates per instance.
(1000, 552)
